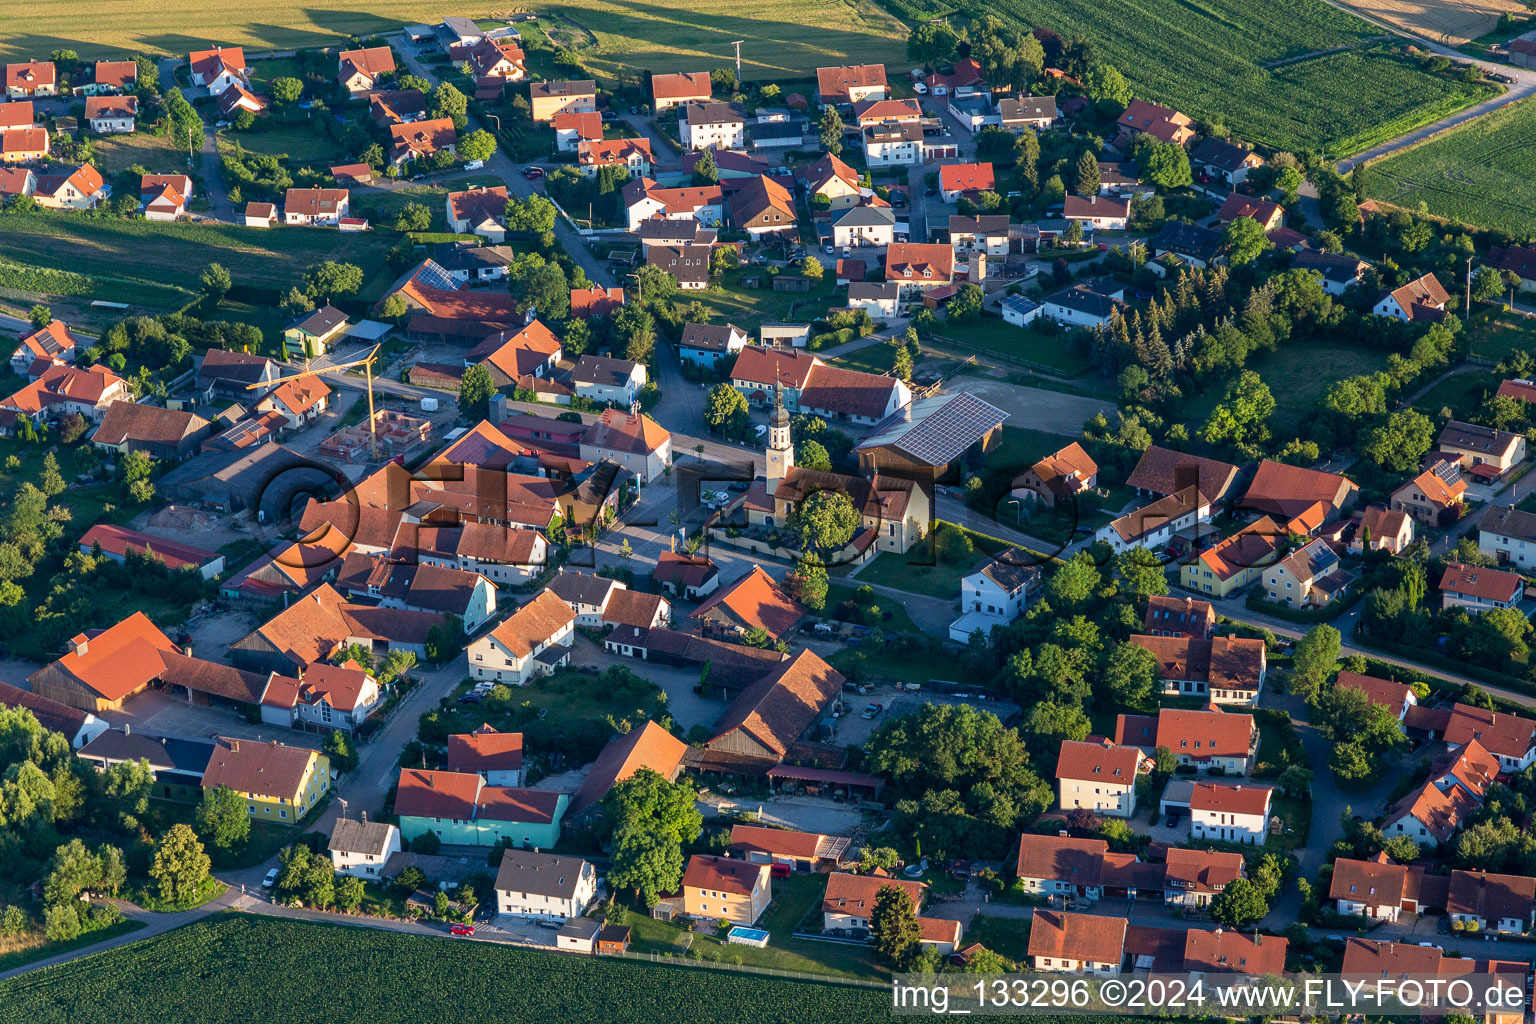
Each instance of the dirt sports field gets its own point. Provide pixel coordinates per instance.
(1451, 22)
(779, 35)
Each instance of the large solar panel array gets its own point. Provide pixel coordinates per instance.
(942, 435)
(432, 275)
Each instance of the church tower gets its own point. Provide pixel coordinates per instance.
(781, 450)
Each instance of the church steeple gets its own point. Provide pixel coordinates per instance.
(780, 454)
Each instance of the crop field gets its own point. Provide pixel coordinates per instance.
(1452, 22)
(1479, 172)
(794, 36)
(1212, 60)
(149, 264)
(299, 973)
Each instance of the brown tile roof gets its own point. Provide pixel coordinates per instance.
(1491, 897)
(596, 300)
(428, 794)
(534, 623)
(250, 766)
(755, 600)
(1500, 732)
(1165, 471)
(1201, 870)
(1442, 813)
(1389, 694)
(1379, 523)
(130, 421)
(849, 392)
(1185, 614)
(111, 107)
(484, 750)
(758, 364)
(1370, 959)
(1375, 883)
(212, 677)
(618, 430)
(478, 204)
(372, 60)
(423, 138)
(1159, 514)
(52, 715)
(115, 661)
(779, 841)
(1071, 462)
(919, 262)
(1254, 546)
(1238, 205)
(1229, 952)
(833, 83)
(647, 746)
(684, 570)
(1078, 208)
(706, 871)
(118, 540)
(1080, 937)
(1253, 800)
(1282, 490)
(505, 803)
(1228, 662)
(1199, 734)
(602, 152)
(1480, 582)
(683, 85)
(1478, 438)
(1061, 859)
(1422, 297)
(1093, 762)
(779, 707)
(633, 608)
(117, 73)
(854, 895)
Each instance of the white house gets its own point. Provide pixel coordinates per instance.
(328, 696)
(361, 848)
(1082, 306)
(712, 126)
(1099, 212)
(993, 595)
(1480, 589)
(604, 380)
(1155, 525)
(880, 299)
(544, 886)
(111, 114)
(1508, 534)
(500, 554)
(532, 642)
(865, 226)
(1229, 814)
(497, 757)
(1019, 311)
(707, 344)
(1100, 777)
(1418, 300)
(586, 595)
(1077, 943)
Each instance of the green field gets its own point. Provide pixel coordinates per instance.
(750, 308)
(1032, 346)
(1478, 173)
(116, 153)
(1496, 334)
(1209, 60)
(382, 206)
(156, 266)
(1297, 374)
(298, 142)
(252, 968)
(780, 36)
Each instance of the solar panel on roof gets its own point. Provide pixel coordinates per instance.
(958, 423)
(1450, 472)
(432, 275)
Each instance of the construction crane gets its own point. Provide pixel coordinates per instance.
(366, 362)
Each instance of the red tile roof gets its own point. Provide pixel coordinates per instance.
(919, 262)
(966, 177)
(1202, 870)
(1480, 582)
(1061, 859)
(30, 75)
(684, 85)
(534, 623)
(758, 364)
(428, 794)
(1225, 951)
(1199, 734)
(1252, 800)
(776, 841)
(855, 895)
(1279, 489)
(1389, 694)
(1500, 732)
(118, 540)
(249, 766)
(722, 874)
(834, 83)
(1082, 937)
(755, 600)
(116, 661)
(1098, 762)
(648, 746)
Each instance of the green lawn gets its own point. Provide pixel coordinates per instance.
(1494, 334)
(264, 71)
(792, 898)
(381, 207)
(1478, 173)
(923, 571)
(750, 308)
(1461, 393)
(1297, 374)
(300, 142)
(872, 359)
(43, 950)
(156, 266)
(1036, 346)
(156, 154)
(303, 973)
(1008, 936)
(900, 621)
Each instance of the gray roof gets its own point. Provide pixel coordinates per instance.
(938, 429)
(873, 290)
(711, 337)
(543, 874)
(1332, 266)
(581, 588)
(715, 113)
(1509, 522)
(1027, 107)
(868, 217)
(317, 324)
(1219, 153)
(1188, 240)
(360, 837)
(472, 257)
(1083, 300)
(602, 370)
(164, 753)
(580, 928)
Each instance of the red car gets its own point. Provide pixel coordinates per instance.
(461, 929)
(779, 870)
(533, 173)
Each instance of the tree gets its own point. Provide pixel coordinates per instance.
(637, 329)
(831, 131)
(1401, 849)
(1246, 241)
(1107, 85)
(546, 290)
(893, 928)
(427, 843)
(808, 582)
(1131, 674)
(1075, 582)
(646, 863)
(40, 316)
(413, 217)
(882, 857)
(328, 280)
(811, 268)
(477, 145)
(1240, 904)
(1400, 442)
(286, 90)
(349, 893)
(726, 412)
(966, 305)
(148, 78)
(222, 819)
(1242, 418)
(812, 455)
(825, 522)
(51, 482)
(705, 170)
(647, 800)
(1050, 723)
(932, 43)
(1140, 573)
(216, 282)
(180, 866)
(1316, 656)
(901, 365)
(449, 102)
(340, 748)
(1087, 174)
(475, 390)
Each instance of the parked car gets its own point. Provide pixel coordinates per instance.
(461, 929)
(474, 165)
(470, 698)
(779, 870)
(271, 879)
(533, 173)
(870, 710)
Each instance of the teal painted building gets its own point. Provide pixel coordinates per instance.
(461, 810)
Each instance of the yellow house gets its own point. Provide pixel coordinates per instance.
(720, 888)
(279, 783)
(1237, 561)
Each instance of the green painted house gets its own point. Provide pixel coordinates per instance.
(461, 810)
(313, 334)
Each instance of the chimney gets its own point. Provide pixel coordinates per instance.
(234, 746)
(979, 267)
(79, 645)
(187, 650)
(127, 729)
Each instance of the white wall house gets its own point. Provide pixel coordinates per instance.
(532, 642)
(362, 848)
(1229, 814)
(1155, 525)
(1100, 777)
(994, 595)
(544, 886)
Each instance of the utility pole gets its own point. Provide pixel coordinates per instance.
(737, 44)
(1467, 310)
